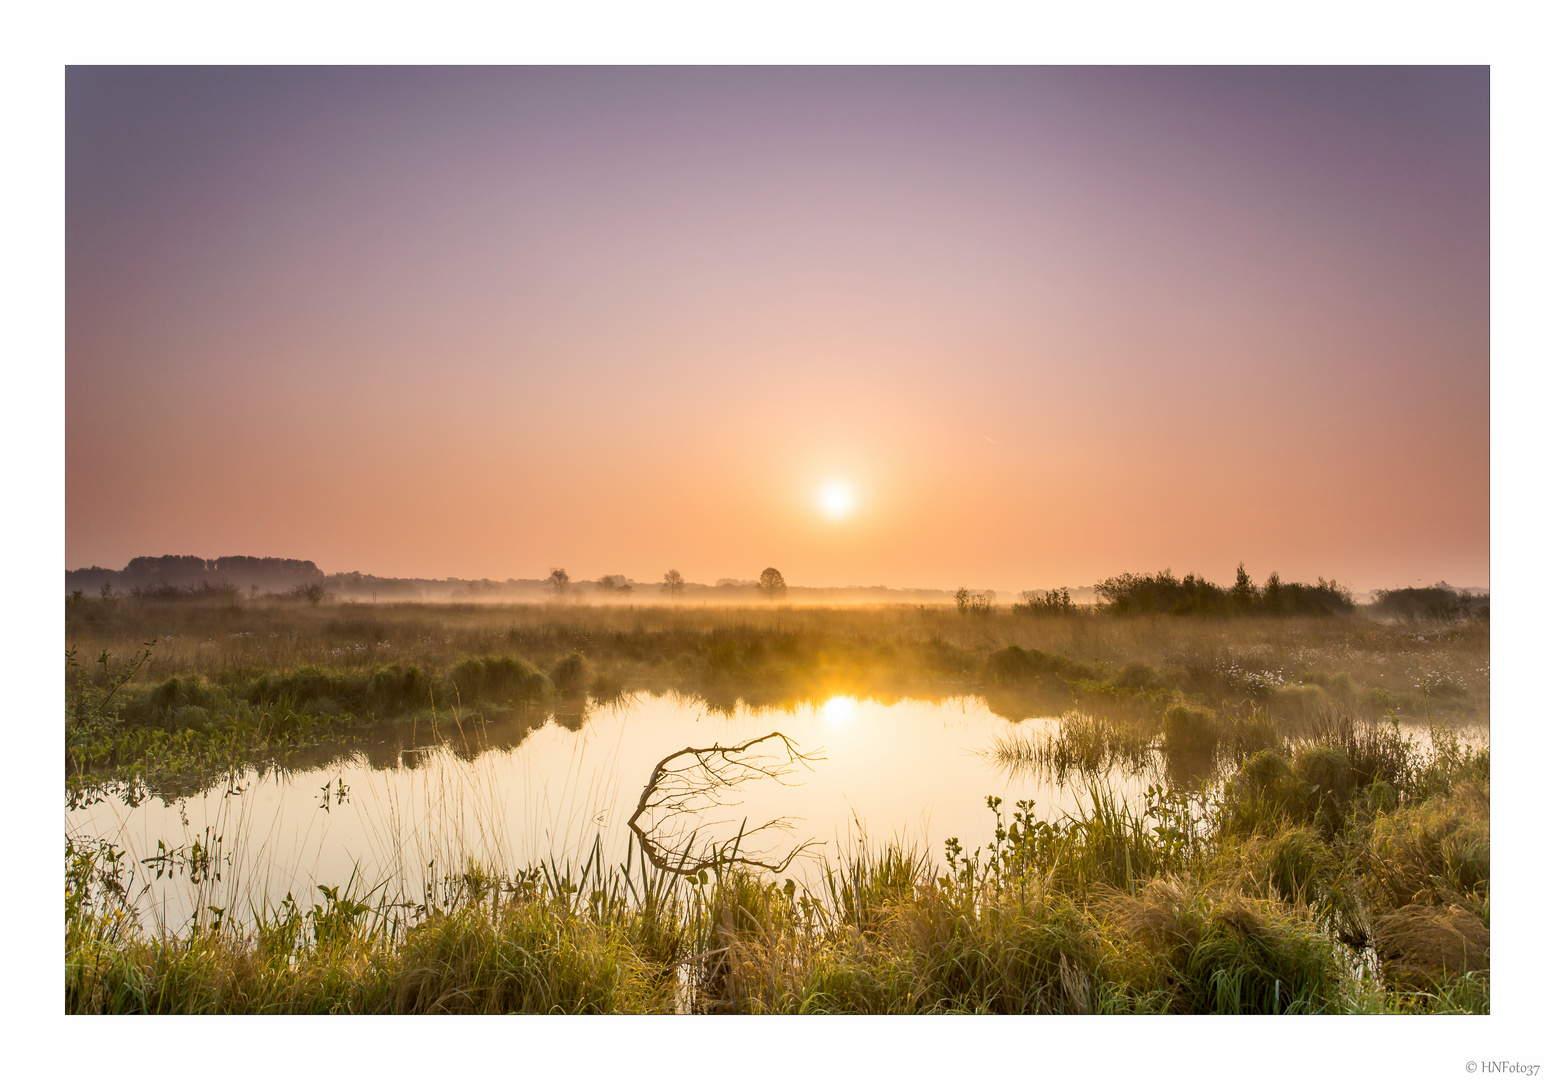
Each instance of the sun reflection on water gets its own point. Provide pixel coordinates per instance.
(839, 710)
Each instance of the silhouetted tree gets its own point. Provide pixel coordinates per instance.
(558, 581)
(1273, 594)
(674, 584)
(1244, 592)
(977, 603)
(772, 584)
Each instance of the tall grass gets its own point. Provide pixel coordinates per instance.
(1297, 830)
(1241, 902)
(774, 654)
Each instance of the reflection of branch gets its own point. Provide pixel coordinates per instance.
(692, 788)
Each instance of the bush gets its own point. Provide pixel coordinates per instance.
(973, 603)
(1439, 603)
(1165, 594)
(1052, 602)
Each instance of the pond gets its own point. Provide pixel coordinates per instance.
(415, 802)
(530, 788)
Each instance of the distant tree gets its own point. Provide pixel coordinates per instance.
(772, 584)
(1273, 594)
(1244, 593)
(1440, 602)
(613, 583)
(558, 581)
(974, 603)
(314, 592)
(674, 584)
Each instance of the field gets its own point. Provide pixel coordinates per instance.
(1318, 840)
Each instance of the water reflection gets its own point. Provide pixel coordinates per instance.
(519, 788)
(516, 789)
(839, 710)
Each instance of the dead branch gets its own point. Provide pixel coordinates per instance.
(688, 783)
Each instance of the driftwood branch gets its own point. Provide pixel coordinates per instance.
(689, 782)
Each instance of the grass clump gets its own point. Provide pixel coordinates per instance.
(499, 678)
(1078, 744)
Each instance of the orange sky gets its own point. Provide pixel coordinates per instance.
(1050, 325)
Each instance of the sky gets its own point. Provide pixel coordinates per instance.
(1042, 325)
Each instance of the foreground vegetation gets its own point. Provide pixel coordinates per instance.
(1347, 873)
(1301, 853)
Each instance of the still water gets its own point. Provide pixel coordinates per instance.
(398, 812)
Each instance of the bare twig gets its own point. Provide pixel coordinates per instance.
(692, 786)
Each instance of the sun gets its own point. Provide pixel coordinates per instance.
(837, 500)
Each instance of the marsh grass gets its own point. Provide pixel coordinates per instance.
(1077, 745)
(1109, 909)
(1112, 908)
(774, 653)
(1282, 847)
(261, 681)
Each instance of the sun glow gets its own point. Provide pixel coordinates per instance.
(839, 710)
(837, 500)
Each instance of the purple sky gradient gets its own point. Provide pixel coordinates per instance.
(1052, 324)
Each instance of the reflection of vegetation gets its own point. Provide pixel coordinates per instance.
(1262, 897)
(1077, 744)
(260, 681)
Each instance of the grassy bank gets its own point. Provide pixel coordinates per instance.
(1348, 873)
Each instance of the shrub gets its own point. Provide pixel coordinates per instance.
(973, 603)
(1164, 594)
(1439, 603)
(1052, 602)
